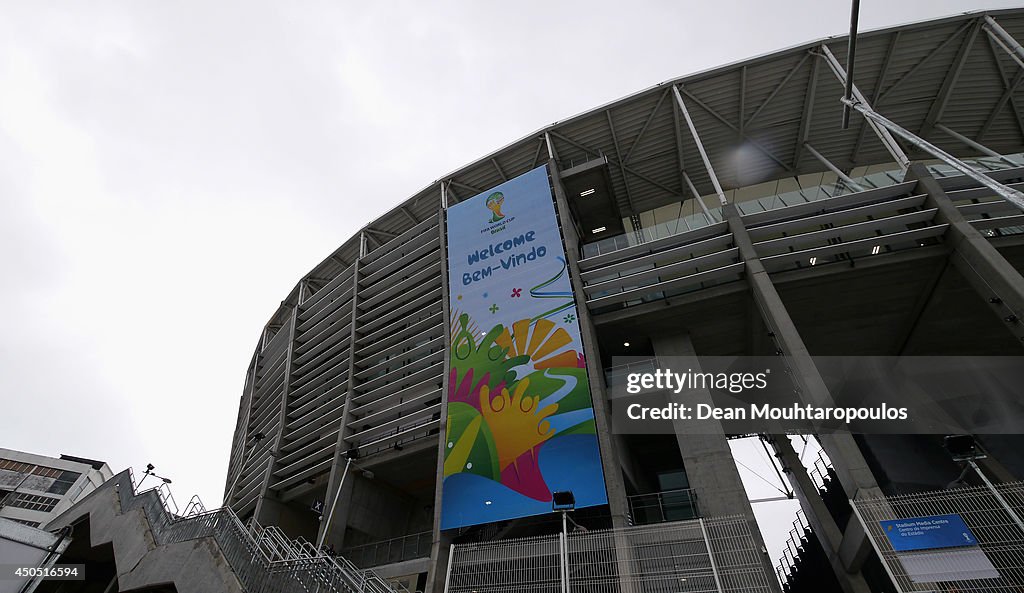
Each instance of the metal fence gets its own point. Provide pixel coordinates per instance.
(1000, 539)
(263, 559)
(705, 555)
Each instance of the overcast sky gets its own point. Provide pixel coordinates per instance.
(169, 170)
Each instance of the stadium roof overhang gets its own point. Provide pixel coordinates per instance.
(764, 118)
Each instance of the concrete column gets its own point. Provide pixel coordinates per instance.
(282, 415)
(995, 279)
(854, 473)
(819, 518)
(440, 541)
(340, 515)
(707, 458)
(617, 502)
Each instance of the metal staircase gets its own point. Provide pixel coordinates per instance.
(263, 558)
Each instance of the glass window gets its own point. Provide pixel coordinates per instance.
(63, 483)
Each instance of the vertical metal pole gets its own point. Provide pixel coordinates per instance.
(711, 556)
(1008, 193)
(562, 560)
(851, 54)
(999, 497)
(330, 513)
(700, 145)
(878, 551)
(448, 573)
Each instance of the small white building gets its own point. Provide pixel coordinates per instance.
(35, 488)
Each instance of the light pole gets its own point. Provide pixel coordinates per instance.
(149, 472)
(563, 502)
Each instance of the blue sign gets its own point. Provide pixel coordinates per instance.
(520, 417)
(928, 533)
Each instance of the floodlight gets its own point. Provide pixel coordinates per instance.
(961, 446)
(563, 500)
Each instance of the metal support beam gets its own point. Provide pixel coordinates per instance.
(697, 196)
(551, 135)
(884, 96)
(805, 117)
(1008, 193)
(497, 168)
(475, 190)
(887, 140)
(1009, 87)
(618, 157)
(1004, 40)
(536, 154)
(640, 135)
(831, 167)
(743, 101)
(975, 145)
(700, 146)
(732, 127)
(408, 215)
(776, 90)
(938, 107)
(883, 72)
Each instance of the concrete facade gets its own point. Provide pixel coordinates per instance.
(824, 242)
(35, 488)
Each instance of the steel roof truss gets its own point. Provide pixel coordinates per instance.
(635, 173)
(618, 157)
(639, 136)
(883, 96)
(942, 99)
(777, 88)
(732, 127)
(883, 134)
(1007, 96)
(875, 94)
(700, 146)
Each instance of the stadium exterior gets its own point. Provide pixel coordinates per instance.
(722, 213)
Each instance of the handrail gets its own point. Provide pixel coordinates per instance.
(263, 558)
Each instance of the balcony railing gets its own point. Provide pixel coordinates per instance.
(667, 505)
(815, 193)
(617, 375)
(399, 549)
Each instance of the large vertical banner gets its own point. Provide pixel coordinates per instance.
(520, 417)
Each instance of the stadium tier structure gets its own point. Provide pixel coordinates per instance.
(724, 213)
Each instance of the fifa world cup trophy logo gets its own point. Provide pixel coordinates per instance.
(493, 203)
